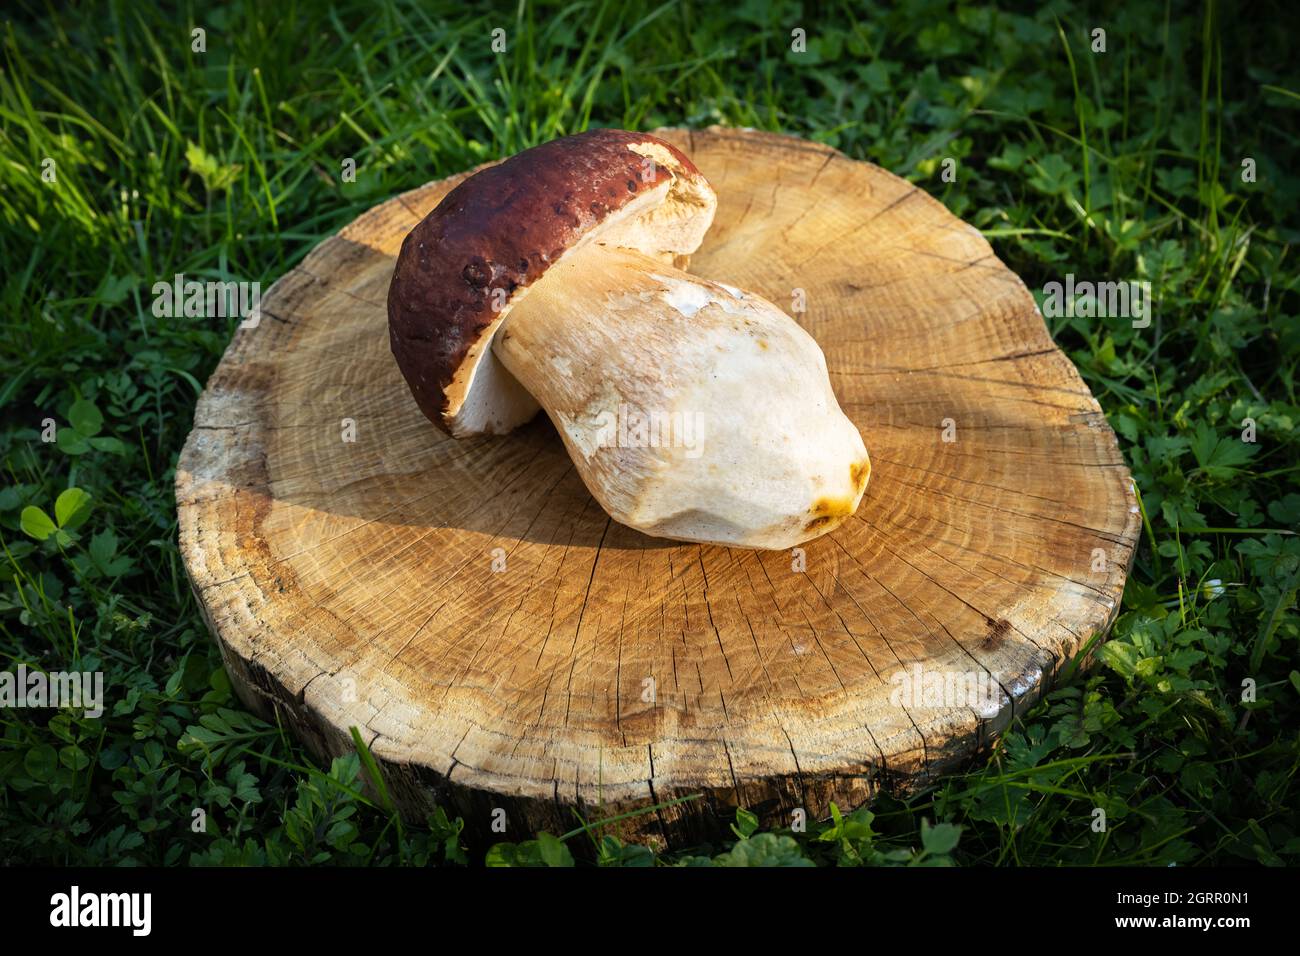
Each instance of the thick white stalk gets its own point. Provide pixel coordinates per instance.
(691, 410)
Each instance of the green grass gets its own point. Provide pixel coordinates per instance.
(226, 164)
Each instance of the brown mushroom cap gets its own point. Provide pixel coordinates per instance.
(475, 256)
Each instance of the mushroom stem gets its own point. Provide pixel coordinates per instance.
(691, 410)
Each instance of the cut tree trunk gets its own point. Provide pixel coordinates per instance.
(502, 645)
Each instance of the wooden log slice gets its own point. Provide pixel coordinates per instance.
(501, 643)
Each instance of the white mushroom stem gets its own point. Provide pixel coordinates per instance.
(691, 410)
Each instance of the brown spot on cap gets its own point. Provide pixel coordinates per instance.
(476, 272)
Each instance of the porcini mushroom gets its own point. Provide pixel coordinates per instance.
(692, 410)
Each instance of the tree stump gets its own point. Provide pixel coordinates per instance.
(502, 644)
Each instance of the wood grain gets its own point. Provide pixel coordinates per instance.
(352, 583)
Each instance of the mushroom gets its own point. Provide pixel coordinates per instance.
(692, 410)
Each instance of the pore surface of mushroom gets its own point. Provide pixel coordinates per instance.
(691, 410)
